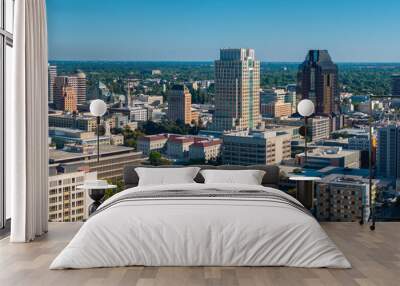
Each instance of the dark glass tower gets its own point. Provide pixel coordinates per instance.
(317, 80)
(396, 85)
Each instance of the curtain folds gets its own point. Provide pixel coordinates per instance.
(26, 121)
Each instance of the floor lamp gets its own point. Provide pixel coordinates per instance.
(98, 108)
(306, 109)
(97, 188)
(370, 163)
(305, 184)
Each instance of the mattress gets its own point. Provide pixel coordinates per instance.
(201, 225)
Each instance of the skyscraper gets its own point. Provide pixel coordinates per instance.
(396, 85)
(237, 90)
(65, 97)
(70, 99)
(52, 73)
(180, 104)
(78, 81)
(317, 80)
(388, 151)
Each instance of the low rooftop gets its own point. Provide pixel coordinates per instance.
(260, 134)
(68, 130)
(329, 152)
(180, 139)
(207, 143)
(352, 131)
(155, 137)
(60, 155)
(85, 116)
(345, 179)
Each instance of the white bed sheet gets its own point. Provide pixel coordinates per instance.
(200, 232)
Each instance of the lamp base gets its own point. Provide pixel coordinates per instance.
(93, 207)
(97, 196)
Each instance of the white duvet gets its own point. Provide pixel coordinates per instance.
(202, 232)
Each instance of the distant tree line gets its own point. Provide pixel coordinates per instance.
(357, 78)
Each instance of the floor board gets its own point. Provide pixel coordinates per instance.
(375, 257)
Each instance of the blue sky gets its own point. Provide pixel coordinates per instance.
(352, 30)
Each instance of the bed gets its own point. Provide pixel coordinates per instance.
(201, 224)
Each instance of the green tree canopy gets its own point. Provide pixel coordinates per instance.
(156, 159)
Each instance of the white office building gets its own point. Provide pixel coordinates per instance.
(138, 114)
(67, 203)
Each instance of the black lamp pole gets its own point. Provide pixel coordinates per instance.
(370, 162)
(305, 140)
(98, 138)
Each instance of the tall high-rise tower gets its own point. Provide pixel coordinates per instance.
(237, 90)
(65, 97)
(70, 99)
(396, 85)
(52, 73)
(388, 151)
(317, 80)
(180, 104)
(78, 81)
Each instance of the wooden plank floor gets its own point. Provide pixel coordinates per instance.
(375, 257)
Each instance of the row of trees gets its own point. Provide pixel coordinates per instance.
(152, 128)
(156, 159)
(167, 126)
(130, 136)
(355, 78)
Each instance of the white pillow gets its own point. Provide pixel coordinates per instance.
(247, 177)
(166, 176)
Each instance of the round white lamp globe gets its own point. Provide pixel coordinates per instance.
(305, 107)
(98, 107)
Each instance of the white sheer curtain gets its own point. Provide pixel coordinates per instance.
(26, 121)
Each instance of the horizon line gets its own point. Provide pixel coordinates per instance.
(211, 61)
